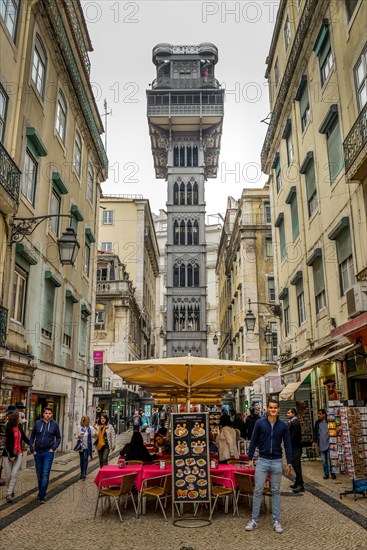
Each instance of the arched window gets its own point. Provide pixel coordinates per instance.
(175, 193)
(195, 194)
(195, 156)
(196, 232)
(182, 275)
(189, 193)
(189, 232)
(190, 318)
(182, 193)
(176, 232)
(190, 278)
(175, 156)
(39, 65)
(189, 156)
(182, 155)
(182, 232)
(196, 275)
(176, 275)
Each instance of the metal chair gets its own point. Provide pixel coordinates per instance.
(246, 486)
(222, 491)
(117, 491)
(161, 492)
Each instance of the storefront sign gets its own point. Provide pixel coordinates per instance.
(190, 449)
(98, 357)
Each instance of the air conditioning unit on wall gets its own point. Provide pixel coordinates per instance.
(357, 299)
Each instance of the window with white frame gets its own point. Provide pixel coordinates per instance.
(334, 149)
(360, 76)
(278, 172)
(3, 109)
(106, 246)
(9, 11)
(61, 116)
(107, 217)
(39, 66)
(319, 284)
(286, 316)
(68, 323)
(55, 208)
(90, 182)
(304, 102)
(77, 161)
(17, 311)
(48, 309)
(287, 33)
(269, 252)
(267, 212)
(100, 317)
(323, 50)
(29, 177)
(83, 336)
(87, 258)
(308, 169)
(300, 302)
(290, 152)
(345, 258)
(271, 289)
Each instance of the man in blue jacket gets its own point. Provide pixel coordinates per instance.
(268, 435)
(44, 440)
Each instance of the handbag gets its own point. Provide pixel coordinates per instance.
(79, 445)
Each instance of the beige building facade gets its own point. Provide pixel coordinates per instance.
(315, 152)
(53, 162)
(245, 272)
(127, 229)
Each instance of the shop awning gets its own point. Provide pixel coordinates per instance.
(290, 389)
(325, 357)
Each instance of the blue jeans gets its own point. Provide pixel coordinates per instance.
(43, 460)
(264, 467)
(325, 457)
(83, 455)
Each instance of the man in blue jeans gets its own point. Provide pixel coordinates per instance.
(268, 435)
(44, 440)
(321, 436)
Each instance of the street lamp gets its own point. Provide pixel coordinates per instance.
(268, 334)
(250, 319)
(215, 338)
(67, 244)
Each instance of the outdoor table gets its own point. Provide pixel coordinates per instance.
(115, 471)
(227, 471)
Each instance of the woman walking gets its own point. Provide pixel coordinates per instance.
(226, 440)
(13, 452)
(106, 441)
(85, 435)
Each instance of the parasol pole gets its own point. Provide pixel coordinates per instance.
(188, 404)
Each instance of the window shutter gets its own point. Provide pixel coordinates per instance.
(303, 103)
(82, 336)
(344, 245)
(335, 152)
(294, 214)
(310, 180)
(282, 241)
(68, 319)
(325, 49)
(318, 275)
(48, 305)
(299, 286)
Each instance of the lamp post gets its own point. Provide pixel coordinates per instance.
(67, 244)
(250, 319)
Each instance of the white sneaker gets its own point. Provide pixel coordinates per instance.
(252, 524)
(277, 527)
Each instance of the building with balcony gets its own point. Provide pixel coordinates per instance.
(52, 162)
(315, 152)
(127, 229)
(245, 272)
(185, 113)
(117, 336)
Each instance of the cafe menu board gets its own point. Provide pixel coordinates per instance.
(190, 453)
(214, 417)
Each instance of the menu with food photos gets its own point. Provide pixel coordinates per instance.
(190, 454)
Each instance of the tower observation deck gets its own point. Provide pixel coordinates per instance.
(185, 114)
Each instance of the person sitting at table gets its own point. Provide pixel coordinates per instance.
(136, 450)
(226, 440)
(160, 440)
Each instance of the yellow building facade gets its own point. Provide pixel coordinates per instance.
(315, 153)
(53, 162)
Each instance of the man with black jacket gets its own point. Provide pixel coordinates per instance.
(44, 440)
(268, 435)
(295, 432)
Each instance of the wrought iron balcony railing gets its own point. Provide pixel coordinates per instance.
(3, 325)
(9, 175)
(354, 144)
(102, 385)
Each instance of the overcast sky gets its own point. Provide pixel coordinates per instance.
(123, 35)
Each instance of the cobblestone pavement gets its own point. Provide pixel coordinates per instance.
(66, 520)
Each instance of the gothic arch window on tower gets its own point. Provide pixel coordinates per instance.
(195, 231)
(186, 317)
(189, 232)
(192, 274)
(175, 156)
(195, 156)
(179, 274)
(182, 155)
(189, 155)
(195, 193)
(176, 232)
(189, 193)
(182, 193)
(182, 232)
(175, 193)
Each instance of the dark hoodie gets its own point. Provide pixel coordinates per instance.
(45, 436)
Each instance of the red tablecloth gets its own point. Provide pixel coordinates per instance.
(153, 470)
(114, 470)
